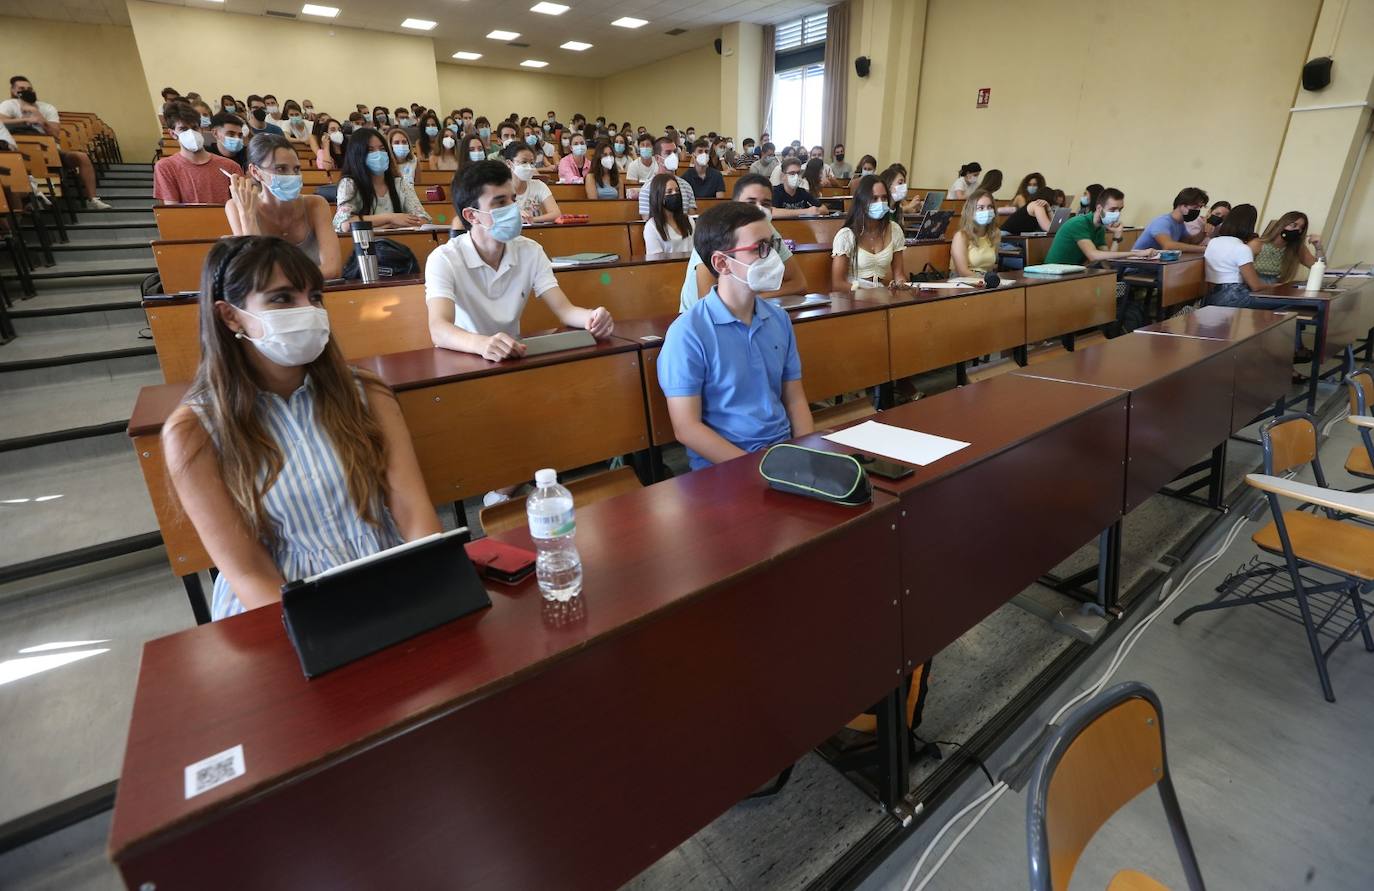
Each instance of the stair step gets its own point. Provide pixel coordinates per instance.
(109, 190)
(47, 412)
(76, 345)
(93, 372)
(96, 268)
(121, 234)
(126, 167)
(79, 320)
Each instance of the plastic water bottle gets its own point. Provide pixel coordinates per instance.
(557, 564)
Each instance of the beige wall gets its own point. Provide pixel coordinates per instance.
(91, 68)
(882, 108)
(496, 92)
(1148, 97)
(683, 90)
(742, 55)
(334, 67)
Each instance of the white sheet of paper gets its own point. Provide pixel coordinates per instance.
(897, 443)
(941, 286)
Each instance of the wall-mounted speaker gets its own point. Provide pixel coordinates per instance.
(861, 66)
(1316, 74)
(717, 46)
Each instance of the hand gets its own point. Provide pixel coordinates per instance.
(1115, 231)
(414, 219)
(600, 323)
(1148, 254)
(526, 218)
(502, 346)
(245, 193)
(1315, 241)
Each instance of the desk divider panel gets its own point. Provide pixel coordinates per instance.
(936, 333)
(1070, 305)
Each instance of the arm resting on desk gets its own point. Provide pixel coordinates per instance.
(1361, 505)
(598, 321)
(685, 413)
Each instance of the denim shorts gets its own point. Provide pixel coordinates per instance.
(1234, 294)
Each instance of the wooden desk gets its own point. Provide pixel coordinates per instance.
(1180, 400)
(1042, 475)
(417, 766)
(810, 230)
(1176, 281)
(564, 240)
(636, 288)
(1344, 316)
(1057, 305)
(943, 327)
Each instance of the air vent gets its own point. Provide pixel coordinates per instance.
(675, 32)
(280, 15)
(521, 45)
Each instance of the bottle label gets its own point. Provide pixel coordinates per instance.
(553, 526)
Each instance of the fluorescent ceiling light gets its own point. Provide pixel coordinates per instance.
(534, 63)
(327, 12)
(419, 24)
(462, 54)
(549, 8)
(630, 22)
(576, 46)
(504, 35)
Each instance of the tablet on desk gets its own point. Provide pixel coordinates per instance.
(799, 301)
(553, 343)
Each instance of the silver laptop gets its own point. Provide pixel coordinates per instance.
(553, 343)
(1060, 215)
(932, 202)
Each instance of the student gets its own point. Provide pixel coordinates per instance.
(1083, 239)
(355, 120)
(506, 134)
(228, 103)
(381, 119)
(372, 189)
(668, 229)
(722, 158)
(273, 109)
(992, 182)
(258, 118)
(776, 176)
(1283, 248)
(427, 139)
(643, 168)
(268, 201)
(1032, 184)
(473, 150)
(575, 165)
(1087, 199)
(410, 125)
(1215, 215)
(287, 461)
(476, 284)
(228, 132)
(192, 175)
(973, 250)
(545, 161)
(767, 162)
(965, 181)
(308, 109)
(1034, 216)
(868, 166)
(894, 177)
(406, 162)
(814, 176)
(746, 157)
(1169, 232)
(839, 167)
(465, 120)
(620, 149)
(445, 156)
(24, 113)
(605, 182)
(706, 180)
(729, 365)
(207, 127)
(667, 161)
(868, 251)
(1230, 260)
(329, 139)
(749, 189)
(534, 197)
(295, 127)
(791, 199)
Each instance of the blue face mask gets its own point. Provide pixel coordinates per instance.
(231, 144)
(228, 108)
(477, 156)
(1031, 190)
(505, 222)
(431, 132)
(579, 150)
(484, 132)
(285, 186)
(531, 140)
(877, 210)
(453, 128)
(983, 217)
(402, 150)
(620, 148)
(296, 120)
(204, 121)
(378, 162)
(1083, 200)
(645, 152)
(1110, 217)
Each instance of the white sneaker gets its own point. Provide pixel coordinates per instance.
(97, 204)
(493, 498)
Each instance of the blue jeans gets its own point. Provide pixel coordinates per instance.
(1236, 295)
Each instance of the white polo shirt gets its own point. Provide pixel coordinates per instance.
(10, 108)
(488, 301)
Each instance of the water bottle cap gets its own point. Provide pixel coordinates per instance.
(546, 477)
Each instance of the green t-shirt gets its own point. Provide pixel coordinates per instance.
(1064, 249)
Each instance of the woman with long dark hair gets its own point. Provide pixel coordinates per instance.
(372, 189)
(267, 200)
(668, 230)
(867, 251)
(1230, 260)
(604, 182)
(1284, 247)
(286, 461)
(1032, 186)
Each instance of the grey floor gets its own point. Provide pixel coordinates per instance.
(1269, 774)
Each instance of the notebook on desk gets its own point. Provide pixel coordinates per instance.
(585, 258)
(553, 343)
(799, 301)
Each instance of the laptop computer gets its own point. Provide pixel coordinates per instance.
(934, 225)
(932, 202)
(1061, 215)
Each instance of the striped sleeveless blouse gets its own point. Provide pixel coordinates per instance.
(317, 524)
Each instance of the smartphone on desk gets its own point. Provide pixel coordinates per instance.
(888, 470)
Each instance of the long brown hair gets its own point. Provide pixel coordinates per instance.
(967, 225)
(226, 388)
(1292, 253)
(659, 214)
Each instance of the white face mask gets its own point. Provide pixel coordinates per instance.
(899, 191)
(793, 180)
(449, 142)
(191, 140)
(607, 162)
(291, 337)
(524, 172)
(670, 161)
(763, 275)
(336, 137)
(702, 158)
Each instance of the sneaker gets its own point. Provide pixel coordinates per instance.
(493, 498)
(97, 204)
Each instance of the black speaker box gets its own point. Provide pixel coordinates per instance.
(861, 65)
(1316, 74)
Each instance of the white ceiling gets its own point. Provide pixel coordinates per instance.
(463, 25)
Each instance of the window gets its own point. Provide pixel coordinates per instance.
(802, 32)
(798, 80)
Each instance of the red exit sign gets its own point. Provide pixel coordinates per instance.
(984, 97)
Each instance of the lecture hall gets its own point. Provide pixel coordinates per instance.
(686, 444)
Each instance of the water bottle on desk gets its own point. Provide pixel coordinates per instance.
(365, 250)
(557, 564)
(1318, 273)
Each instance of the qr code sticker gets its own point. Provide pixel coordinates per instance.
(214, 771)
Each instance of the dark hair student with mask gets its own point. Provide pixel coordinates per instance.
(283, 479)
(193, 175)
(372, 188)
(1169, 232)
(267, 200)
(476, 284)
(1084, 238)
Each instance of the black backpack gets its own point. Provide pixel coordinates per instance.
(394, 260)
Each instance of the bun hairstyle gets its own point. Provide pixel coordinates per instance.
(970, 167)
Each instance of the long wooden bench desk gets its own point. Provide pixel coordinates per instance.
(1175, 281)
(1344, 316)
(1034, 247)
(419, 766)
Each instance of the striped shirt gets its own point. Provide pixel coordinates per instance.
(317, 525)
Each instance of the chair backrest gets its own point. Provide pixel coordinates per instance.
(14, 175)
(586, 490)
(1105, 753)
(1289, 442)
(1360, 387)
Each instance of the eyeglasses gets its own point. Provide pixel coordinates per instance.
(762, 248)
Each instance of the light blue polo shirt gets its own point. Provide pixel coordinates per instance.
(1165, 224)
(737, 370)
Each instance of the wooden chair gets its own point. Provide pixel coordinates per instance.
(587, 490)
(22, 199)
(1105, 753)
(44, 162)
(1359, 386)
(12, 239)
(1306, 541)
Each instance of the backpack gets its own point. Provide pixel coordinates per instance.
(394, 260)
